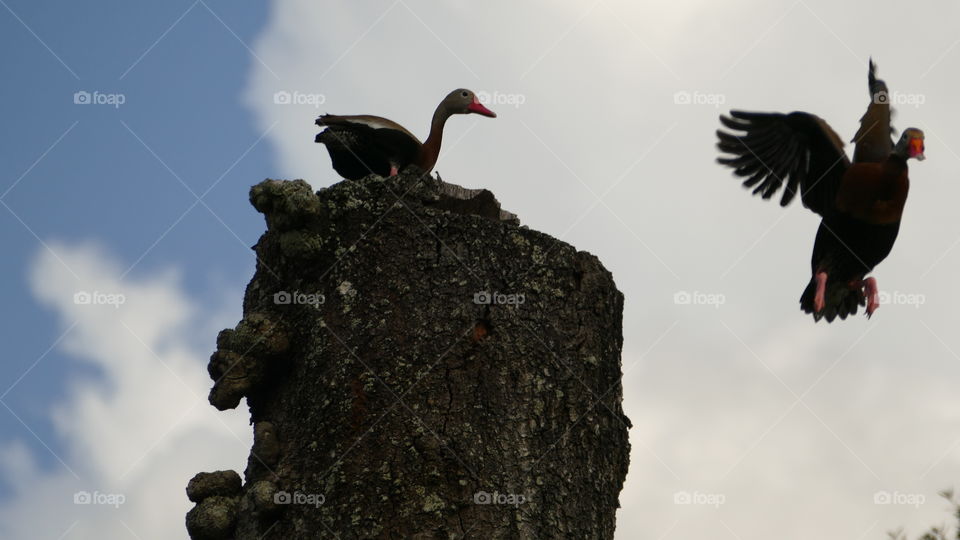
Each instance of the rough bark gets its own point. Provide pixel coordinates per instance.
(453, 375)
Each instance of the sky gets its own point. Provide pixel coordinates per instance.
(136, 129)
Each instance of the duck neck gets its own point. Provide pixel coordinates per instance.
(430, 150)
(901, 152)
(898, 159)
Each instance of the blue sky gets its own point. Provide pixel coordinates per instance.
(87, 172)
(604, 138)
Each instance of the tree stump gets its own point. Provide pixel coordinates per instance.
(419, 365)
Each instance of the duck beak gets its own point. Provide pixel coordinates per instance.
(916, 149)
(477, 107)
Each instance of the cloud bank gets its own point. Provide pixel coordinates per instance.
(129, 437)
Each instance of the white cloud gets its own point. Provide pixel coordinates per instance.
(141, 428)
(599, 82)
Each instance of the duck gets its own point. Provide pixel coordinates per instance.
(361, 145)
(860, 202)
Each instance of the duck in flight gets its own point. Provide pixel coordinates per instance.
(860, 203)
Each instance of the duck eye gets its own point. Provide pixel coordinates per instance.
(464, 93)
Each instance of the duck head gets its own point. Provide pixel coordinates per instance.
(910, 144)
(463, 101)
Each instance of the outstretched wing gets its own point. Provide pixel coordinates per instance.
(796, 151)
(367, 120)
(872, 141)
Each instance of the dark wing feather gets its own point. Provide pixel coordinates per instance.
(353, 152)
(796, 151)
(360, 148)
(872, 141)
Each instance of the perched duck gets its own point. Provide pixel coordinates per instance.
(860, 203)
(362, 144)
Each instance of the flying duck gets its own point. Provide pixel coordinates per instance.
(860, 203)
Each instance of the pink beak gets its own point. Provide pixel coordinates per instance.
(477, 107)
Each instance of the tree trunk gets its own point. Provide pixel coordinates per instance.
(418, 365)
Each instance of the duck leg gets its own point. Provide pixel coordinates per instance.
(872, 293)
(818, 300)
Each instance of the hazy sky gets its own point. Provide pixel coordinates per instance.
(775, 426)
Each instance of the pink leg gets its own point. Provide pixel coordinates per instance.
(818, 300)
(393, 170)
(873, 297)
